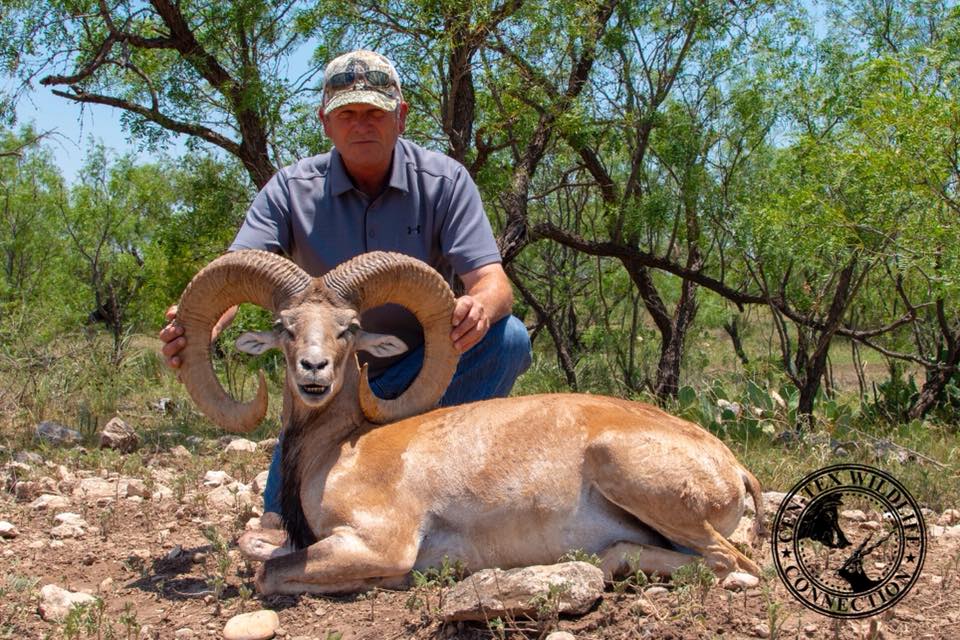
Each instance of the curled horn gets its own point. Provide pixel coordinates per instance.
(379, 277)
(263, 278)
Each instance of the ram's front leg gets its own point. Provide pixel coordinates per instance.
(345, 561)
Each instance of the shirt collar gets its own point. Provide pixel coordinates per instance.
(340, 182)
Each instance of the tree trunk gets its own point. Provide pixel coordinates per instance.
(733, 330)
(673, 328)
(934, 385)
(815, 365)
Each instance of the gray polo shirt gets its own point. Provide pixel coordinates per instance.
(431, 210)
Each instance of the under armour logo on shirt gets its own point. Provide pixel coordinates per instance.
(412, 230)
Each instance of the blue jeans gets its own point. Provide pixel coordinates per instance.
(487, 370)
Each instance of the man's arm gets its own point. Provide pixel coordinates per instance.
(489, 298)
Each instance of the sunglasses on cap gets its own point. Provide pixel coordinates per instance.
(349, 78)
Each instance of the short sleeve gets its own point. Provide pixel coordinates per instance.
(267, 224)
(466, 237)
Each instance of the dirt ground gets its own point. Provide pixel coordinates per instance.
(153, 565)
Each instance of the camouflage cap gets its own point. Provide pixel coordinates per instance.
(361, 77)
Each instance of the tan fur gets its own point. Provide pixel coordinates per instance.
(506, 483)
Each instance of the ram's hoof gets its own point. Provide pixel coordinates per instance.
(264, 544)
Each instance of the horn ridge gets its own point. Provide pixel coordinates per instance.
(381, 277)
(259, 277)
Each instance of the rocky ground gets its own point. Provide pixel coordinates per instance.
(146, 539)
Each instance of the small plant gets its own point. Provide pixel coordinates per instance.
(579, 555)
(776, 616)
(694, 577)
(334, 635)
(498, 628)
(434, 579)
(105, 521)
(244, 593)
(12, 591)
(634, 582)
(88, 619)
(129, 621)
(217, 580)
(548, 606)
(180, 487)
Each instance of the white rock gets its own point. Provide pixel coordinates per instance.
(57, 433)
(49, 501)
(118, 435)
(259, 483)
(7, 530)
(184, 634)
(216, 478)
(561, 635)
(163, 475)
(497, 593)
(240, 444)
(25, 458)
(162, 492)
(70, 518)
(138, 488)
(148, 633)
(55, 603)
(744, 533)
(67, 531)
(268, 445)
(761, 630)
(101, 490)
(740, 581)
(652, 592)
(258, 625)
(772, 501)
(949, 517)
(936, 531)
(230, 496)
(180, 451)
(855, 515)
(952, 532)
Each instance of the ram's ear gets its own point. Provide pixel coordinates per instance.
(379, 344)
(257, 342)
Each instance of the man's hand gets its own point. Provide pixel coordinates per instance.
(173, 340)
(172, 334)
(470, 323)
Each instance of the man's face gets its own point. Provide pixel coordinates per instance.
(364, 134)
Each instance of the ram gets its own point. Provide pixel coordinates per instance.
(375, 488)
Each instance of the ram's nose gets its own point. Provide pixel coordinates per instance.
(314, 365)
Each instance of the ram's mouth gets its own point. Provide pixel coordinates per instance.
(314, 390)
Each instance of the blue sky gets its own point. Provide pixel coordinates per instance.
(76, 126)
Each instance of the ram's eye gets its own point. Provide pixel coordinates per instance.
(351, 329)
(279, 327)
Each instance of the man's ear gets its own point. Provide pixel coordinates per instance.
(257, 342)
(402, 110)
(380, 345)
